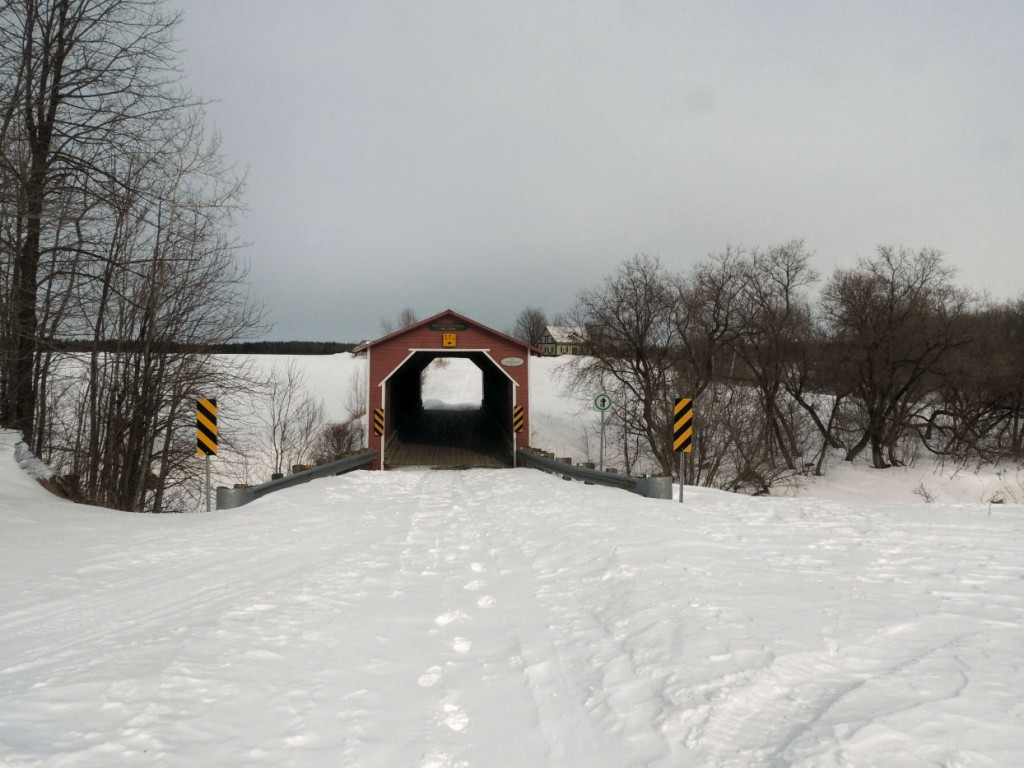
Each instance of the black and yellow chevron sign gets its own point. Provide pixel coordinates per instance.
(206, 427)
(378, 421)
(518, 419)
(682, 434)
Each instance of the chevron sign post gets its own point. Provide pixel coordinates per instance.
(602, 402)
(206, 436)
(682, 436)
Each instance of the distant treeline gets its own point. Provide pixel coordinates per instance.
(234, 348)
(283, 348)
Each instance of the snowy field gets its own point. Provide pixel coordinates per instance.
(506, 618)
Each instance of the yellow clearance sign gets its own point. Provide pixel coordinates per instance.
(682, 433)
(206, 427)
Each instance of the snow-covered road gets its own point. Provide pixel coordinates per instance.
(509, 618)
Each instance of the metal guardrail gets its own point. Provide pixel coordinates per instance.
(230, 498)
(651, 487)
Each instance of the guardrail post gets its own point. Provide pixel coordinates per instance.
(232, 498)
(654, 487)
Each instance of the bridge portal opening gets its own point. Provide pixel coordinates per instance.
(452, 384)
(449, 410)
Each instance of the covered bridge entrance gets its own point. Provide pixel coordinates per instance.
(404, 433)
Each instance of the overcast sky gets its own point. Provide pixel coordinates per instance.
(484, 155)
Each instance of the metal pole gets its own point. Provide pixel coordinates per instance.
(682, 475)
(601, 463)
(207, 482)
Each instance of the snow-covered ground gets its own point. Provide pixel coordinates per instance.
(494, 618)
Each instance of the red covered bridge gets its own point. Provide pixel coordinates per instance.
(405, 434)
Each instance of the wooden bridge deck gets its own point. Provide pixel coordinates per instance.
(449, 440)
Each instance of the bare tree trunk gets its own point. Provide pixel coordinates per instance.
(855, 451)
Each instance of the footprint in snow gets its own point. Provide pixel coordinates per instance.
(430, 678)
(455, 717)
(438, 759)
(462, 645)
(449, 617)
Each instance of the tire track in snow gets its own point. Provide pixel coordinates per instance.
(130, 595)
(761, 716)
(599, 700)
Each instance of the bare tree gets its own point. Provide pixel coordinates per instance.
(84, 81)
(291, 418)
(336, 440)
(893, 320)
(772, 324)
(530, 326)
(978, 413)
(816, 383)
(356, 398)
(704, 325)
(405, 318)
(144, 313)
(629, 321)
(705, 321)
(114, 209)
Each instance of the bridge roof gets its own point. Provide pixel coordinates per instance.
(447, 316)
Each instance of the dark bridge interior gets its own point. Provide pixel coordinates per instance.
(477, 437)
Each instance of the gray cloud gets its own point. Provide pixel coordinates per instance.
(485, 155)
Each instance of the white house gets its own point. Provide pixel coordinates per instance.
(563, 340)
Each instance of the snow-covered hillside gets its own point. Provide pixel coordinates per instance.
(509, 618)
